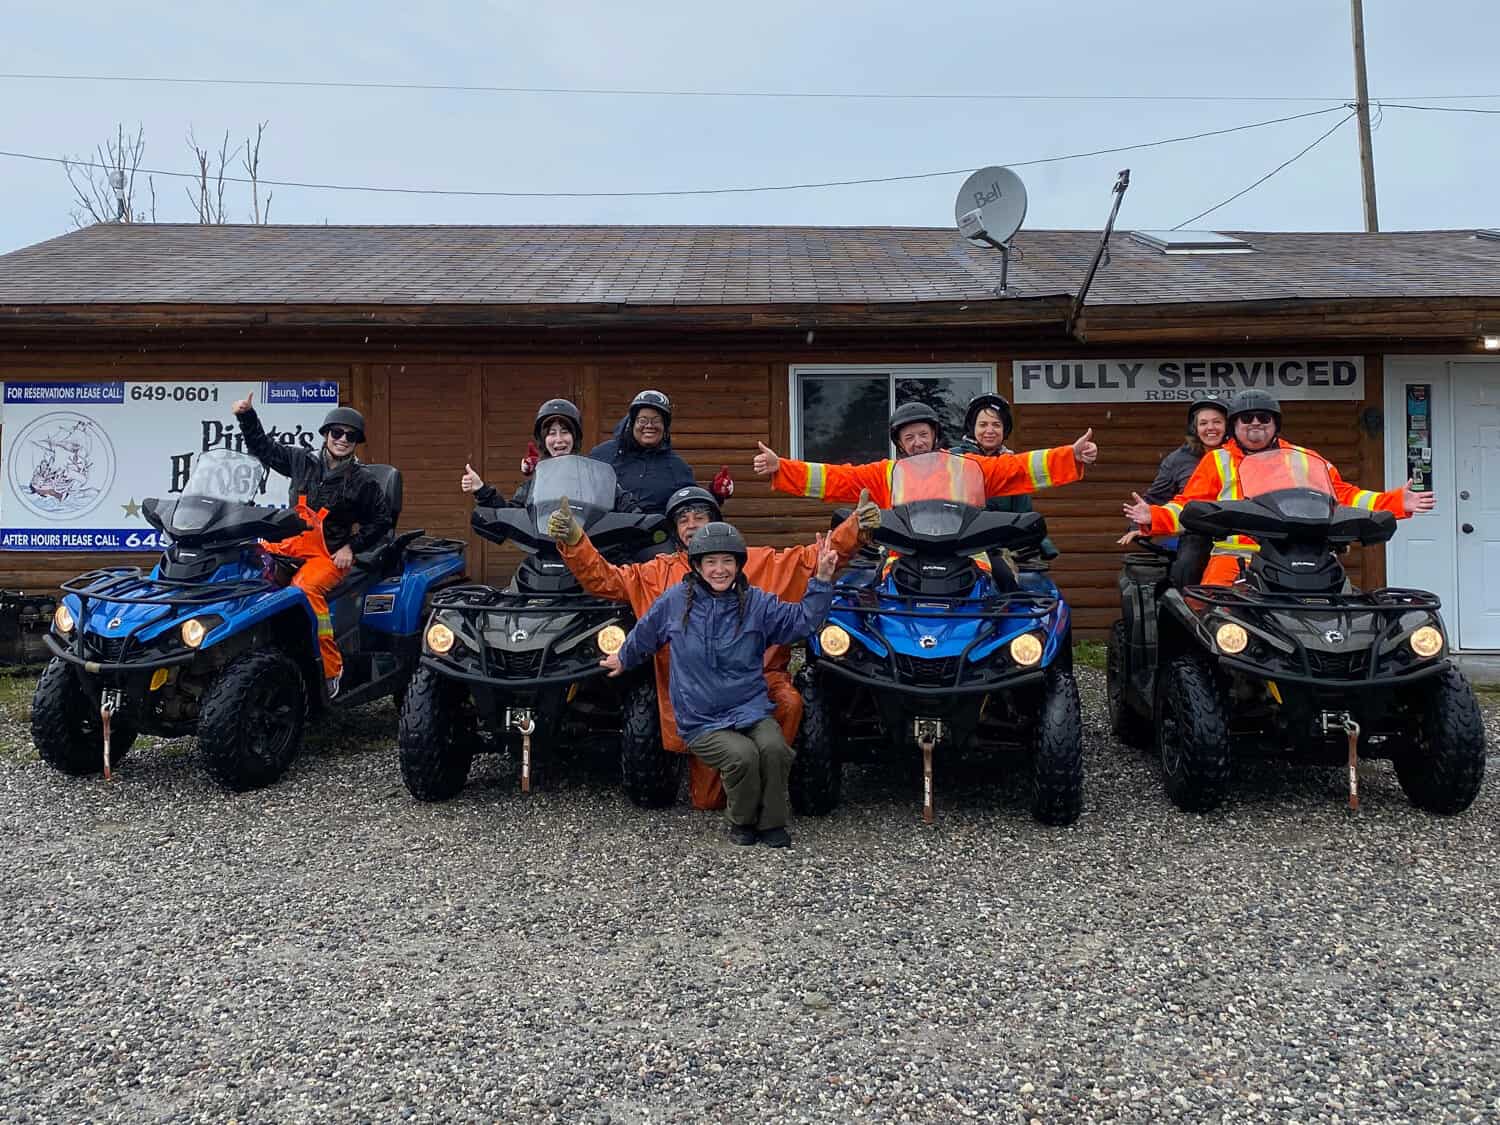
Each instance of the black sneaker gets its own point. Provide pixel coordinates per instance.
(742, 834)
(776, 838)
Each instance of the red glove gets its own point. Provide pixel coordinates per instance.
(528, 463)
(723, 484)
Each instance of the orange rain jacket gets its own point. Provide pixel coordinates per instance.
(1217, 477)
(782, 573)
(1004, 475)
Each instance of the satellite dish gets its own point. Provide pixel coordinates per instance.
(991, 206)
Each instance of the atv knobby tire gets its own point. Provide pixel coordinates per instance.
(1444, 769)
(649, 772)
(1126, 725)
(817, 778)
(437, 737)
(1192, 732)
(250, 725)
(1057, 779)
(65, 725)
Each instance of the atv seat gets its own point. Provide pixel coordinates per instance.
(378, 561)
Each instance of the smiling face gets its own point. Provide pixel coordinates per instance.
(557, 437)
(719, 571)
(989, 430)
(649, 427)
(915, 438)
(1209, 425)
(339, 441)
(1254, 430)
(689, 518)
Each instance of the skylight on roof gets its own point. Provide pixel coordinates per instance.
(1191, 242)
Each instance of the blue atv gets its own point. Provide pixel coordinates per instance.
(213, 642)
(933, 652)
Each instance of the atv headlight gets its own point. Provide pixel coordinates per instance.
(193, 632)
(834, 639)
(62, 620)
(1026, 649)
(611, 639)
(1426, 642)
(1231, 638)
(439, 638)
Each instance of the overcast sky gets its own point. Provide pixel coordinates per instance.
(1433, 169)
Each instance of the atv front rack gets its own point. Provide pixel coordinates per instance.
(1358, 668)
(130, 586)
(476, 599)
(946, 675)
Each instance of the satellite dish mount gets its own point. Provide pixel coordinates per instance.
(990, 208)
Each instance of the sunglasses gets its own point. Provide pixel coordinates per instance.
(1257, 418)
(338, 433)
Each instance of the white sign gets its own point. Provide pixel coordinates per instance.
(78, 458)
(1182, 380)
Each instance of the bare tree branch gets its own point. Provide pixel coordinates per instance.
(93, 182)
(251, 163)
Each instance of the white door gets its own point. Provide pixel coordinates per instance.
(1476, 479)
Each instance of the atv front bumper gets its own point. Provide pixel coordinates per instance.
(146, 665)
(885, 680)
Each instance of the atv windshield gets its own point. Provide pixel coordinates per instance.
(1278, 469)
(953, 482)
(221, 474)
(589, 486)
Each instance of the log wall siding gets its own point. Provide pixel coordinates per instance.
(431, 414)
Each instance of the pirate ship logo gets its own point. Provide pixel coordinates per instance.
(61, 465)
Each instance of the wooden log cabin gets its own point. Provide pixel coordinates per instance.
(447, 338)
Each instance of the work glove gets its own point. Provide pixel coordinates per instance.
(866, 512)
(528, 463)
(722, 485)
(563, 527)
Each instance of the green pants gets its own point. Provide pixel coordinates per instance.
(754, 763)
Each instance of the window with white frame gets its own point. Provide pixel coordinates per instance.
(842, 412)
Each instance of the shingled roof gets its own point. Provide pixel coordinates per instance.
(137, 264)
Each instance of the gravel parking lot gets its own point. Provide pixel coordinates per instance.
(330, 950)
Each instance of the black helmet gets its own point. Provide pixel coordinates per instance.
(989, 401)
(1202, 404)
(909, 412)
(656, 400)
(718, 538)
(347, 417)
(692, 494)
(558, 408)
(1253, 398)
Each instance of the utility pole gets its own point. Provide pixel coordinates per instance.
(1362, 108)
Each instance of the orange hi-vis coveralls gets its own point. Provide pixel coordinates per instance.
(1004, 475)
(782, 573)
(1217, 477)
(315, 578)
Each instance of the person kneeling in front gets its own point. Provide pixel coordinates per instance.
(719, 627)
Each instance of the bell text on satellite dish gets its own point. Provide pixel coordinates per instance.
(991, 206)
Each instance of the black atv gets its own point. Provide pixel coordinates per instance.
(522, 663)
(1291, 659)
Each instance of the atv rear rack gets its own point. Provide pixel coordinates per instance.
(128, 585)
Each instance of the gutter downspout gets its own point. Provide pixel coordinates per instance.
(1100, 254)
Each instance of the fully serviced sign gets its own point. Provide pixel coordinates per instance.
(78, 458)
(1181, 380)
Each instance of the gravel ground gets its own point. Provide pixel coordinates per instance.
(331, 950)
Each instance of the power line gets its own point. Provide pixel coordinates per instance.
(680, 191)
(630, 92)
(1440, 108)
(1269, 174)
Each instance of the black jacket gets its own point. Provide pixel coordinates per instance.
(650, 475)
(1172, 475)
(1020, 502)
(351, 495)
